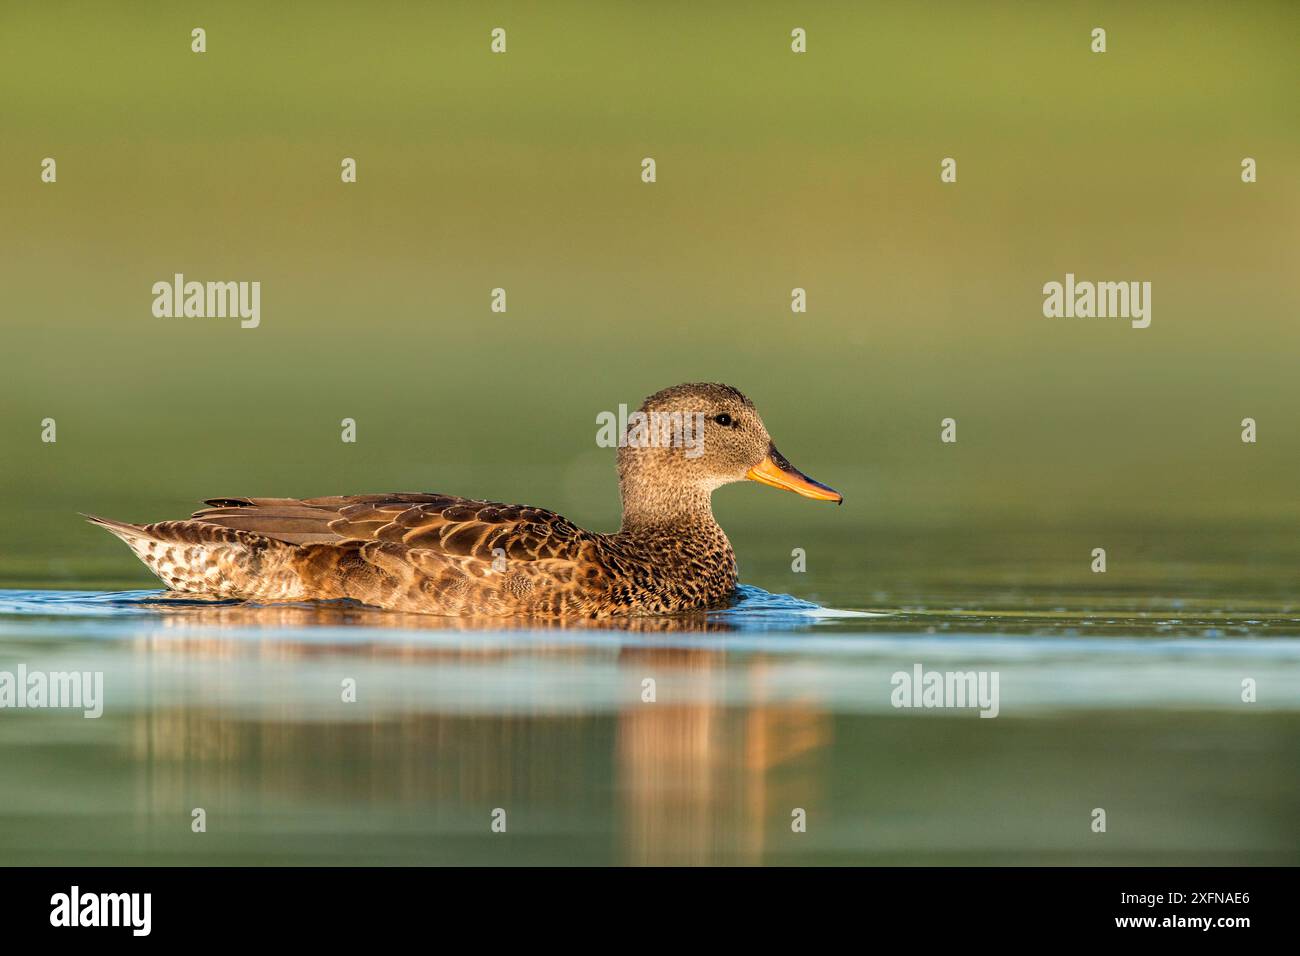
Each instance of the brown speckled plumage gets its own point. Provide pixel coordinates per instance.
(440, 554)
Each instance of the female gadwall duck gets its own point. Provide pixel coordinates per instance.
(438, 554)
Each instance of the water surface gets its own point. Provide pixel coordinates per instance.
(761, 710)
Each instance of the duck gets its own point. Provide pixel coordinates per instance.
(442, 554)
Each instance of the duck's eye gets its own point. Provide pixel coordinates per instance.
(724, 420)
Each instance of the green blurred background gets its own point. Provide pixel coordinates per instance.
(775, 170)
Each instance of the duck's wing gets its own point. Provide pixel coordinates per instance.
(408, 552)
(448, 525)
(422, 552)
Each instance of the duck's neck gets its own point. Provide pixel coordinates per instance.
(669, 509)
(674, 532)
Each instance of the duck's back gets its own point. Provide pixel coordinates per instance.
(427, 553)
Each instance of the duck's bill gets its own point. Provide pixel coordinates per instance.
(774, 470)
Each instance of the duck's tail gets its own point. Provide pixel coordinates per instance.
(204, 558)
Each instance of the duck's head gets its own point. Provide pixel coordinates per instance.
(685, 441)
